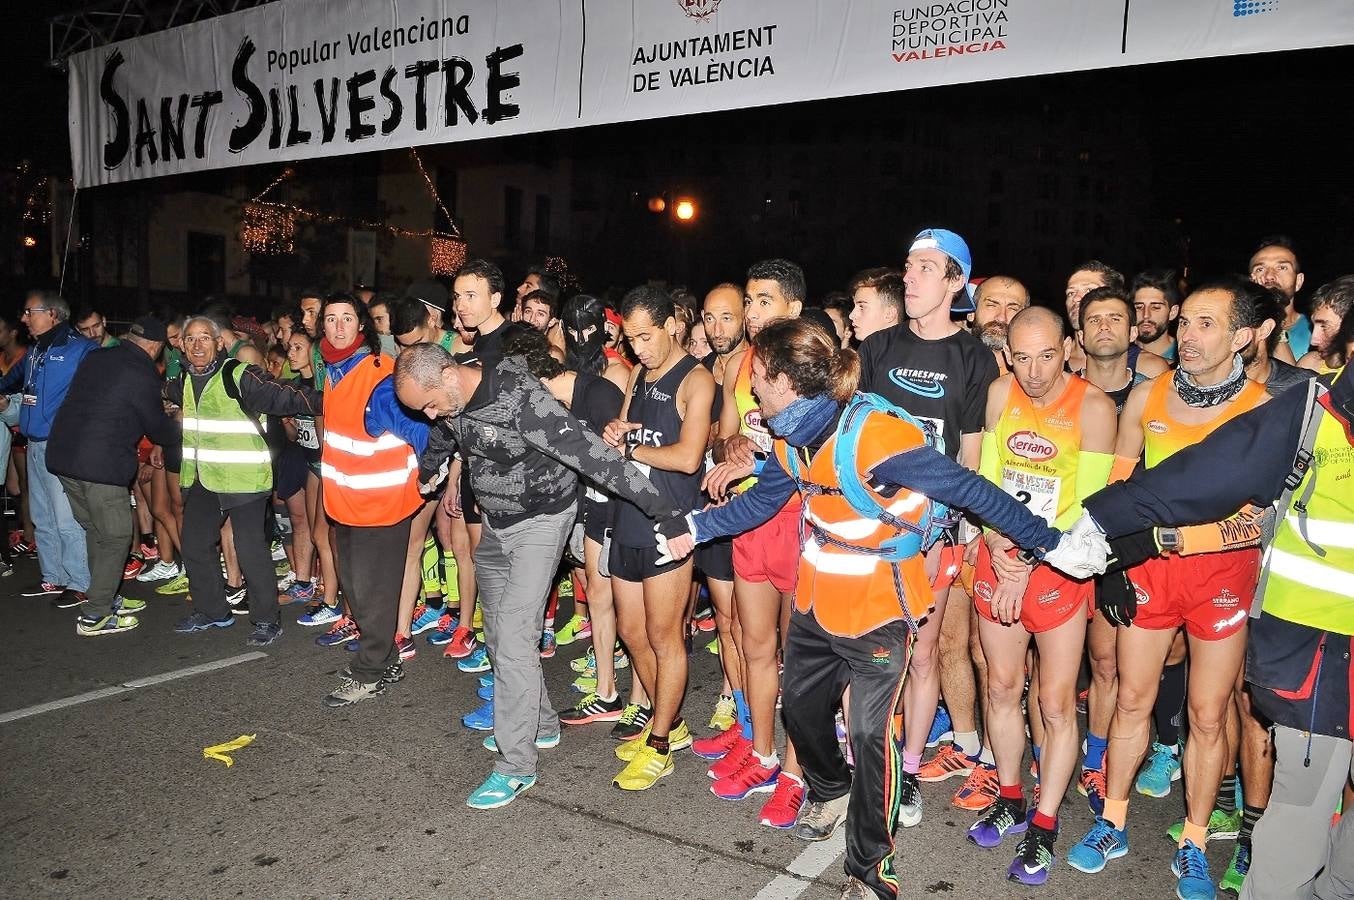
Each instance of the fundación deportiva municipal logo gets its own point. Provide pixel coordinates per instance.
(1246, 7)
(700, 9)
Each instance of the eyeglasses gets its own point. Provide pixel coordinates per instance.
(35, 309)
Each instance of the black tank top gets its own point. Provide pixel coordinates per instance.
(716, 408)
(654, 406)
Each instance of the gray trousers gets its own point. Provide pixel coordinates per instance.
(104, 511)
(515, 567)
(1297, 855)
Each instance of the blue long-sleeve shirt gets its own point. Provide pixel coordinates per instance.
(384, 412)
(922, 469)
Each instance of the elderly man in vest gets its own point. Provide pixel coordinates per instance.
(1298, 451)
(227, 474)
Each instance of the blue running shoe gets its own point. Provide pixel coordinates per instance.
(1102, 843)
(1163, 767)
(476, 662)
(1191, 868)
(198, 621)
(498, 790)
(942, 729)
(481, 719)
(344, 630)
(1034, 857)
(320, 615)
(1000, 819)
(427, 619)
(485, 691)
(446, 630)
(487, 679)
(543, 742)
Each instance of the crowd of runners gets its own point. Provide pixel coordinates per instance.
(912, 518)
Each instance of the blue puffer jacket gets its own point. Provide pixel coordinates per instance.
(47, 377)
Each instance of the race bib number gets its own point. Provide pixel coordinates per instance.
(305, 434)
(1038, 493)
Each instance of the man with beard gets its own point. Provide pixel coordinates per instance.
(1330, 305)
(1275, 264)
(1108, 329)
(1156, 302)
(1085, 277)
(996, 301)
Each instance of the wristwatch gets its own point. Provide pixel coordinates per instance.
(1169, 539)
(1027, 557)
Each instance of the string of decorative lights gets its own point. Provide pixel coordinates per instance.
(269, 226)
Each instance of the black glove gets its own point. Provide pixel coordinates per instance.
(1131, 549)
(1116, 598)
(678, 525)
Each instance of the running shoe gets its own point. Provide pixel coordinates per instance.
(91, 626)
(1163, 767)
(351, 691)
(481, 718)
(6, 569)
(237, 598)
(1222, 826)
(585, 664)
(593, 708)
(425, 617)
(126, 606)
(1092, 786)
(1101, 844)
(543, 742)
(149, 552)
(319, 613)
(855, 889)
(485, 692)
(446, 630)
(286, 581)
(1034, 857)
(548, 643)
(300, 592)
(679, 738)
(393, 673)
(978, 790)
(704, 622)
(713, 647)
(69, 599)
(910, 804)
(753, 777)
(1238, 868)
(725, 711)
(820, 819)
(279, 552)
(782, 810)
(1000, 819)
(1194, 881)
(487, 679)
(577, 628)
(264, 633)
(634, 719)
(717, 746)
(476, 662)
(947, 763)
(198, 621)
(463, 643)
(43, 589)
(343, 631)
(584, 684)
(178, 584)
(732, 761)
(644, 769)
(133, 567)
(406, 647)
(942, 728)
(1084, 701)
(499, 790)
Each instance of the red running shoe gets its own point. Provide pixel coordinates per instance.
(782, 810)
(717, 746)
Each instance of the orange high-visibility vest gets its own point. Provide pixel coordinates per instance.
(367, 481)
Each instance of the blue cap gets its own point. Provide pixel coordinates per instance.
(953, 246)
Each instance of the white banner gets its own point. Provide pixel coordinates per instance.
(300, 79)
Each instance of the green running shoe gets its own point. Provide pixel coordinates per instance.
(1222, 826)
(1235, 876)
(176, 586)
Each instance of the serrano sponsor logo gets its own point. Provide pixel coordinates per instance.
(1143, 596)
(1032, 446)
(1156, 426)
(753, 420)
(1226, 600)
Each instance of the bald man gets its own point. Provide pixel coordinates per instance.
(996, 302)
(1049, 442)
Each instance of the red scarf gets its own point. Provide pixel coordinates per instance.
(333, 355)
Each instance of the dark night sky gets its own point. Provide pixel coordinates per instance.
(1240, 146)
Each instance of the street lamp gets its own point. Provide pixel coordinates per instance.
(685, 209)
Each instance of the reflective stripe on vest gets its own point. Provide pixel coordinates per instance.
(368, 481)
(1311, 562)
(222, 446)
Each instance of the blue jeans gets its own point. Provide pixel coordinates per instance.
(61, 540)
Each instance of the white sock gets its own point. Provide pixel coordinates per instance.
(767, 762)
(967, 743)
(986, 757)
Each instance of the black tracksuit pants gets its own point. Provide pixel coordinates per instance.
(818, 667)
(201, 539)
(371, 570)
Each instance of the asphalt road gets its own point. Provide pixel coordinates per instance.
(112, 797)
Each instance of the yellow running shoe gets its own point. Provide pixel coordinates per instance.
(643, 772)
(679, 738)
(725, 710)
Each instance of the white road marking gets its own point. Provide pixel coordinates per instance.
(808, 865)
(132, 685)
